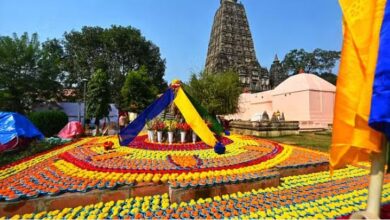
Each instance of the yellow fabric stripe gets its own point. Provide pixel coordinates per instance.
(193, 118)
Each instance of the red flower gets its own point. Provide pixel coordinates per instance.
(158, 125)
(183, 126)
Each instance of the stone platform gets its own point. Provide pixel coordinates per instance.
(265, 129)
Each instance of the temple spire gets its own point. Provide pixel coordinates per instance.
(277, 73)
(231, 47)
(234, 1)
(276, 58)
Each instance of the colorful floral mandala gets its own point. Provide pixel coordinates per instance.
(311, 196)
(86, 165)
(164, 158)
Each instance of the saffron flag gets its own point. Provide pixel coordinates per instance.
(193, 118)
(380, 104)
(353, 139)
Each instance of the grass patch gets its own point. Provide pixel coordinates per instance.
(315, 141)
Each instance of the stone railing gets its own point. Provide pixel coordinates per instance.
(265, 129)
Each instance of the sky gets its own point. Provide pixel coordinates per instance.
(181, 28)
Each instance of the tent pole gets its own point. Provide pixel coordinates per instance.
(376, 181)
(375, 186)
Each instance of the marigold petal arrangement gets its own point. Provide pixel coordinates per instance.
(302, 196)
(88, 165)
(101, 164)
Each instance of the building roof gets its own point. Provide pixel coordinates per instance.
(304, 82)
(258, 97)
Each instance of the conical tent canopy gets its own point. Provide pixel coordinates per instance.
(71, 130)
(15, 129)
(176, 94)
(127, 134)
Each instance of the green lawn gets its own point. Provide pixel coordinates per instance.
(317, 141)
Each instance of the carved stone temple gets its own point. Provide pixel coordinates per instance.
(276, 73)
(231, 47)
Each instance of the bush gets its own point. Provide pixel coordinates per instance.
(49, 122)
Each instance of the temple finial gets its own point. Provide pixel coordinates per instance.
(234, 1)
(276, 59)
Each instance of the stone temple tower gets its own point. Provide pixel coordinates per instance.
(277, 74)
(231, 47)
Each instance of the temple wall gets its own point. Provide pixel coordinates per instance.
(321, 106)
(304, 97)
(313, 109)
(294, 105)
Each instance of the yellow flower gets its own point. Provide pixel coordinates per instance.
(15, 217)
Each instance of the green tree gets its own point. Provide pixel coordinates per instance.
(116, 50)
(218, 93)
(138, 91)
(50, 71)
(330, 77)
(98, 97)
(18, 63)
(28, 71)
(318, 61)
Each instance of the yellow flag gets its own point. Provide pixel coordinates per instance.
(193, 118)
(353, 140)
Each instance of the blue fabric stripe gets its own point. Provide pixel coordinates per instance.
(380, 103)
(127, 134)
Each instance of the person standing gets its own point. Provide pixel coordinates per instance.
(123, 121)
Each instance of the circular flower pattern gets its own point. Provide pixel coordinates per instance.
(88, 165)
(100, 163)
(314, 196)
(157, 159)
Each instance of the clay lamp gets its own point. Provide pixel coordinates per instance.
(108, 145)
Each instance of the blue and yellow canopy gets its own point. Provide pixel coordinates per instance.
(189, 111)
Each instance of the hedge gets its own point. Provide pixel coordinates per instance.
(49, 122)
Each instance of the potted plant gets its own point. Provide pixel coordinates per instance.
(171, 127)
(184, 128)
(159, 126)
(149, 127)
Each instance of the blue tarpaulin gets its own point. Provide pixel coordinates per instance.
(127, 134)
(14, 125)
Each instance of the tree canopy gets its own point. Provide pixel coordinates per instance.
(218, 93)
(32, 72)
(319, 62)
(98, 96)
(117, 51)
(137, 83)
(29, 71)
